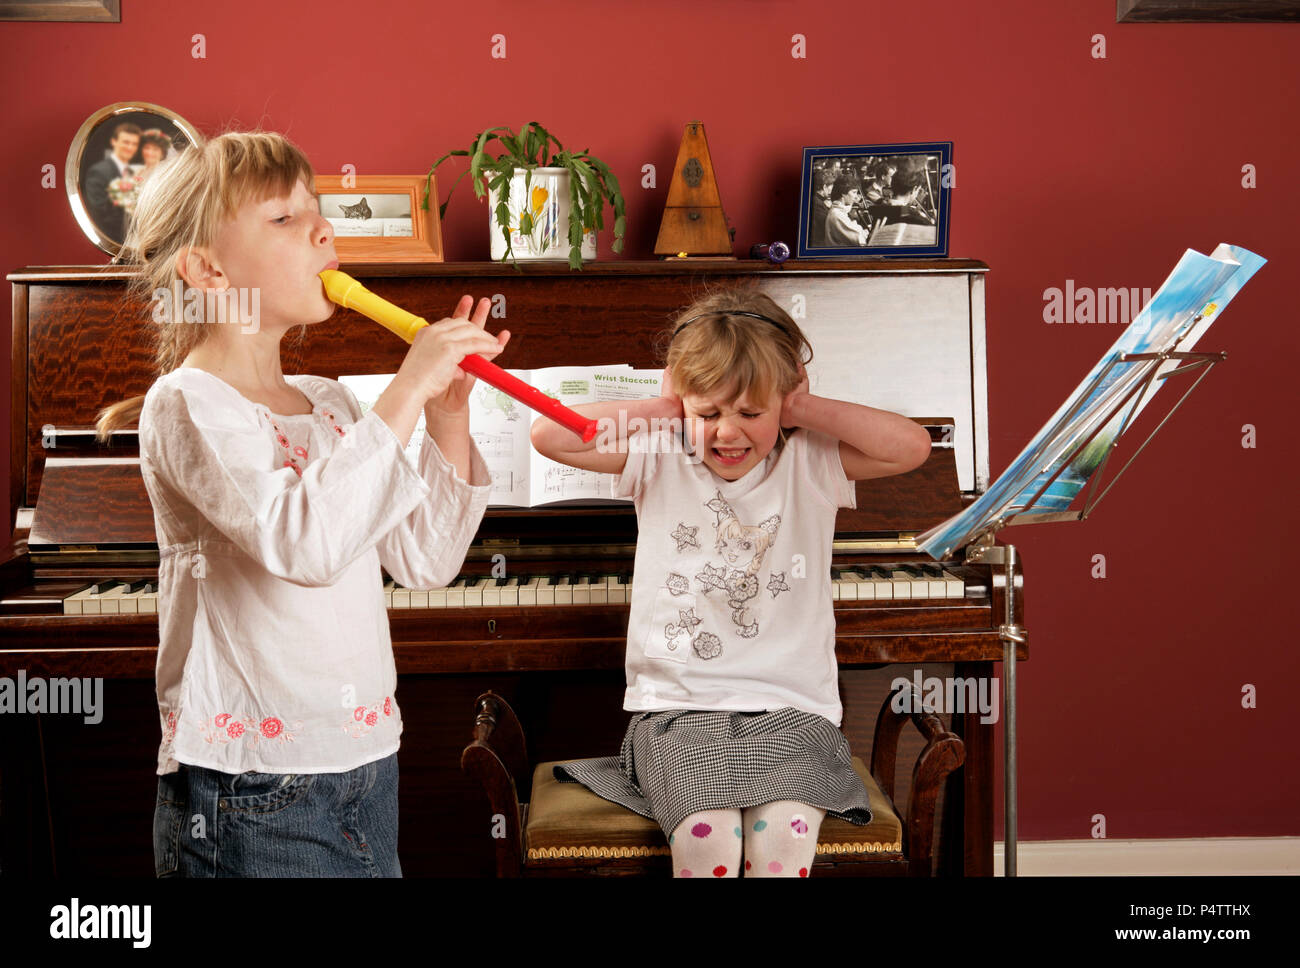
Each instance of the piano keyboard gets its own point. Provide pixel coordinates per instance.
(847, 584)
(860, 583)
(113, 598)
(894, 582)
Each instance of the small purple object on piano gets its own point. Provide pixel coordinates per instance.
(775, 252)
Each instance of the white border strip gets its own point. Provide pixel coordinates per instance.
(1189, 856)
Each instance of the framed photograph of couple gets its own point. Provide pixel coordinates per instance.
(875, 200)
(113, 154)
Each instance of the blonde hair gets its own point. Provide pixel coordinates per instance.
(721, 350)
(731, 527)
(184, 204)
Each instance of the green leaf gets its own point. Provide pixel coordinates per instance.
(575, 214)
(526, 224)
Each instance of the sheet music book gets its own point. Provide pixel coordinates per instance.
(1189, 301)
(500, 426)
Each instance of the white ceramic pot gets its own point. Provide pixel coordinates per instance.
(546, 199)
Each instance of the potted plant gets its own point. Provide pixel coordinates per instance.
(541, 194)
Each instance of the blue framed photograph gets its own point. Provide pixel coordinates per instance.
(875, 200)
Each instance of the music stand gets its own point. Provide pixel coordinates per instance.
(1109, 402)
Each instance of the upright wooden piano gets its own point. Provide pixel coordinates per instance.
(76, 798)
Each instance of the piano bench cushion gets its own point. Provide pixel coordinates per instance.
(567, 824)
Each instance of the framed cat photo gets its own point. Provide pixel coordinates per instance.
(377, 218)
(875, 200)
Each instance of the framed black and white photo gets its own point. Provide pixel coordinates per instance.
(113, 154)
(875, 200)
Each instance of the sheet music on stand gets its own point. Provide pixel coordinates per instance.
(1074, 446)
(1044, 480)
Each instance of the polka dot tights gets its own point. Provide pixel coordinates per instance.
(777, 839)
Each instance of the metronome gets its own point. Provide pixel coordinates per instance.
(694, 223)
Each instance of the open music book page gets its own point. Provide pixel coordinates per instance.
(1191, 298)
(500, 426)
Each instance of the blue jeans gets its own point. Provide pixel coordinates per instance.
(212, 824)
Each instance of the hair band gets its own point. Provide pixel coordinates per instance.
(726, 312)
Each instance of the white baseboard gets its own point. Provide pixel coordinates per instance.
(1190, 856)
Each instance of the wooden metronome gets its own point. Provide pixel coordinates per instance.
(693, 223)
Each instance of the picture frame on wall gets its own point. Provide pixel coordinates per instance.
(113, 153)
(875, 200)
(377, 218)
(1206, 11)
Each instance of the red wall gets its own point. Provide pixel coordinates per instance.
(1068, 167)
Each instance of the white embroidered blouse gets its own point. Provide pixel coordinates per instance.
(274, 651)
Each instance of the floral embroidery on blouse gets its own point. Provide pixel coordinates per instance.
(251, 730)
(296, 452)
(364, 718)
(337, 429)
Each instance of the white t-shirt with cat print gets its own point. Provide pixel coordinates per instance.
(731, 603)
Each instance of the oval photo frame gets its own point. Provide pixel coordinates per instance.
(111, 155)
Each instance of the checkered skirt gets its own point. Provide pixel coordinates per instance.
(682, 761)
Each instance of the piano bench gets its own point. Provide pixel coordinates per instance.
(566, 830)
(569, 827)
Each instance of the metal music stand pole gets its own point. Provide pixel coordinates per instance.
(983, 549)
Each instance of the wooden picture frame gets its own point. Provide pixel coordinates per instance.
(1206, 11)
(62, 11)
(368, 213)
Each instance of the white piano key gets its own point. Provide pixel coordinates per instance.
(401, 597)
(954, 587)
(564, 592)
(110, 603)
(582, 591)
(865, 586)
(419, 598)
(599, 591)
(456, 594)
(75, 603)
(510, 592)
(618, 590)
(902, 583)
(882, 583)
(919, 587)
(129, 603)
(437, 597)
(844, 588)
(474, 591)
(389, 587)
(545, 591)
(528, 592)
(101, 601)
(149, 602)
(492, 592)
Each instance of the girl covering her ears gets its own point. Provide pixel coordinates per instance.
(733, 746)
(276, 502)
